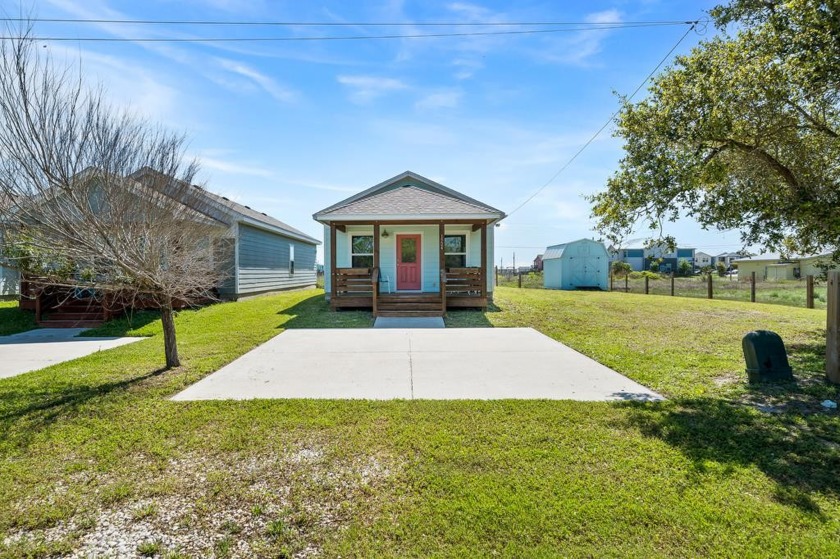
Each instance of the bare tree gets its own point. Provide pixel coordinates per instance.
(78, 214)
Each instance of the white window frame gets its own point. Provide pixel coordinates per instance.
(352, 254)
(466, 251)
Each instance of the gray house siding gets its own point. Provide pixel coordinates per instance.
(9, 282)
(224, 255)
(264, 262)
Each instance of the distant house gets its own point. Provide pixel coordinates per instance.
(409, 245)
(640, 256)
(772, 266)
(538, 263)
(582, 264)
(728, 258)
(257, 252)
(701, 259)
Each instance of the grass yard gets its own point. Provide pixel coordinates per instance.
(13, 320)
(93, 449)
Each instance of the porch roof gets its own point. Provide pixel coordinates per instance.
(408, 197)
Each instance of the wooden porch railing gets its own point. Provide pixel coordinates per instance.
(352, 282)
(463, 282)
(374, 279)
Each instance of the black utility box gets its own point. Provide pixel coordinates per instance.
(766, 357)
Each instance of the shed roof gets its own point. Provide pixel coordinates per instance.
(556, 251)
(408, 196)
(776, 257)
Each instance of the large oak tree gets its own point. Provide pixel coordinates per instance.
(742, 133)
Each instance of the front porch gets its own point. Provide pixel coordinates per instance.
(409, 247)
(362, 288)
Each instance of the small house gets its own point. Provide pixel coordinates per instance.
(408, 245)
(582, 264)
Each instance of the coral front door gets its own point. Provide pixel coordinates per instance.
(408, 262)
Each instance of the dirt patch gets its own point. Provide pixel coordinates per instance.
(224, 506)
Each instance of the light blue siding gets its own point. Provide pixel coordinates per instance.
(264, 262)
(430, 263)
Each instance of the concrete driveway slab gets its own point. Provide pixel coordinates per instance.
(36, 349)
(381, 364)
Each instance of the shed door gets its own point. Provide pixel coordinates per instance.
(584, 267)
(408, 262)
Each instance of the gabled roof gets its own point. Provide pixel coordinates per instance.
(408, 196)
(227, 211)
(556, 251)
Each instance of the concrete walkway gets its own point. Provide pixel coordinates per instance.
(383, 364)
(36, 349)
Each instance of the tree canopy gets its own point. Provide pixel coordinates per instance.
(742, 133)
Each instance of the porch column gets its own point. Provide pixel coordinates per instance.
(484, 259)
(332, 262)
(441, 256)
(375, 244)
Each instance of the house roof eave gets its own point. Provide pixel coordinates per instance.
(414, 218)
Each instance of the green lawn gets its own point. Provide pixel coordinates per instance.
(13, 320)
(96, 443)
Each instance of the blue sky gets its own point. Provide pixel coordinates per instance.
(290, 127)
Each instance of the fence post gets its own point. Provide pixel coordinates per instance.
(709, 293)
(520, 280)
(612, 281)
(752, 287)
(497, 275)
(832, 334)
(672, 284)
(809, 291)
(647, 285)
(626, 283)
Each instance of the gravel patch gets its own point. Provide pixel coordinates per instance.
(223, 506)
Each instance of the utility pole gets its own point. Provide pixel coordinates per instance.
(514, 261)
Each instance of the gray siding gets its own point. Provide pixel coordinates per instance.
(9, 282)
(264, 262)
(224, 255)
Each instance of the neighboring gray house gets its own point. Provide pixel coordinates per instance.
(579, 264)
(261, 253)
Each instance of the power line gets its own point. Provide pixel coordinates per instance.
(341, 24)
(326, 38)
(607, 123)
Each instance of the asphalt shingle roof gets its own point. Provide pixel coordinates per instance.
(408, 200)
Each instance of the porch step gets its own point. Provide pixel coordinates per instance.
(71, 323)
(73, 315)
(407, 313)
(409, 306)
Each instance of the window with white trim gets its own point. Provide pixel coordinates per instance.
(291, 259)
(361, 251)
(455, 251)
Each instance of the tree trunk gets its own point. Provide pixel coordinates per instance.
(170, 345)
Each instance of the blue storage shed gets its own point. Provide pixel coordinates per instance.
(582, 264)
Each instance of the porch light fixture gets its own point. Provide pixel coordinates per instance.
(385, 234)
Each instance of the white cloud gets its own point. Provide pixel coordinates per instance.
(444, 99)
(582, 46)
(264, 82)
(364, 89)
(234, 167)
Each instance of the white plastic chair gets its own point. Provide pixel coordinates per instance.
(386, 280)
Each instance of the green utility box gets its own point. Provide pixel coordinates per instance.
(766, 357)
